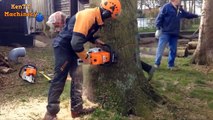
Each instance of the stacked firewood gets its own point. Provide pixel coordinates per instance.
(181, 51)
(185, 47)
(191, 46)
(5, 66)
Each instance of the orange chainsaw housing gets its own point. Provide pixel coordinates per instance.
(99, 58)
(31, 71)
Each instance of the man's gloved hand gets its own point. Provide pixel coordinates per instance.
(157, 34)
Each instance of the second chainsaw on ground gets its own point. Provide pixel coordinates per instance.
(28, 73)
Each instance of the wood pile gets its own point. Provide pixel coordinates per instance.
(145, 41)
(5, 66)
(186, 47)
(181, 51)
(191, 46)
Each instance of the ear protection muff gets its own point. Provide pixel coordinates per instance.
(106, 14)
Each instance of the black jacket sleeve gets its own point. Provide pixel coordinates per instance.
(77, 42)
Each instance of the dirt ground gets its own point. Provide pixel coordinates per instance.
(23, 101)
(20, 100)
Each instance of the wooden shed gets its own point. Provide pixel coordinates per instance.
(13, 29)
(20, 29)
(17, 26)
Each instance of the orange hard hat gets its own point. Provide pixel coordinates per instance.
(114, 6)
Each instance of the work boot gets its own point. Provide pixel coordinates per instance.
(82, 112)
(48, 116)
(174, 68)
(151, 73)
(156, 66)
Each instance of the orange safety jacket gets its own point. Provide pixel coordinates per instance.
(79, 29)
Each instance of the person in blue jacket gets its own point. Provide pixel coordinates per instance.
(168, 23)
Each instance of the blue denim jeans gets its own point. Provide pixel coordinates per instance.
(65, 62)
(163, 41)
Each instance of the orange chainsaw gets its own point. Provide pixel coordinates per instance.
(102, 55)
(28, 73)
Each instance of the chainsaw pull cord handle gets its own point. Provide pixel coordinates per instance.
(21, 69)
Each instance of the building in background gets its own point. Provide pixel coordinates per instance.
(21, 30)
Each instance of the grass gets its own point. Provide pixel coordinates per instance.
(170, 82)
(210, 105)
(189, 87)
(194, 27)
(173, 84)
(201, 82)
(146, 29)
(66, 93)
(203, 94)
(101, 114)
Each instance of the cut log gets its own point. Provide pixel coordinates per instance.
(181, 51)
(40, 44)
(183, 41)
(3, 61)
(192, 45)
(189, 37)
(182, 48)
(191, 52)
(151, 51)
(5, 67)
(147, 40)
(6, 70)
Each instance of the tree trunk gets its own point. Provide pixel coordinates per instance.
(204, 52)
(122, 87)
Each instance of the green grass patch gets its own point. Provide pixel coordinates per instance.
(203, 94)
(200, 82)
(41, 89)
(173, 82)
(101, 114)
(66, 93)
(146, 30)
(194, 27)
(210, 77)
(210, 105)
(178, 97)
(185, 74)
(171, 87)
(158, 84)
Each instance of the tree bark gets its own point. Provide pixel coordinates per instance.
(204, 52)
(122, 87)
